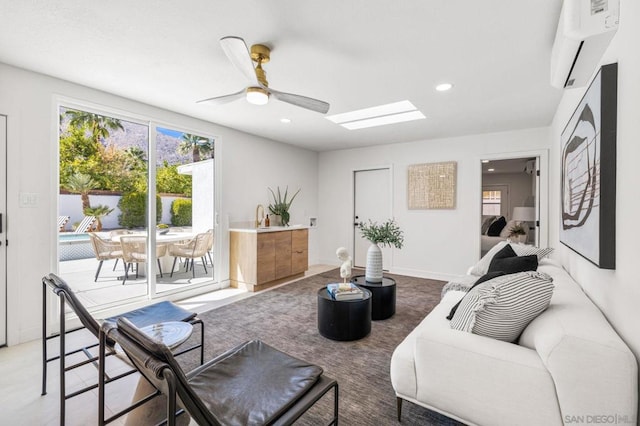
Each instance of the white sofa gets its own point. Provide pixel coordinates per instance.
(568, 367)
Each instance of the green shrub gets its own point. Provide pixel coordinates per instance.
(181, 212)
(133, 210)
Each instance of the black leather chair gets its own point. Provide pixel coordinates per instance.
(148, 315)
(251, 384)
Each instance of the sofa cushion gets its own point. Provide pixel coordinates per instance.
(512, 265)
(485, 277)
(482, 267)
(496, 227)
(502, 307)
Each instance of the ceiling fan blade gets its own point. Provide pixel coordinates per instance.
(219, 100)
(237, 52)
(301, 101)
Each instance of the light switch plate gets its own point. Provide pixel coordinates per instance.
(28, 199)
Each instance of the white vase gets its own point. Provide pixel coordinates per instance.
(373, 272)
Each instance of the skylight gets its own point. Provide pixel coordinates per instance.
(381, 115)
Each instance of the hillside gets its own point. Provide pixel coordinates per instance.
(137, 135)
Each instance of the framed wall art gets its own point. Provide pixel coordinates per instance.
(432, 186)
(588, 193)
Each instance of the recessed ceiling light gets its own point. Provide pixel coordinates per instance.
(491, 170)
(485, 161)
(443, 87)
(285, 120)
(396, 112)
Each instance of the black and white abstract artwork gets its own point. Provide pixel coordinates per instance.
(589, 172)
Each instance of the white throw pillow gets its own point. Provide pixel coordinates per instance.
(481, 268)
(502, 308)
(507, 229)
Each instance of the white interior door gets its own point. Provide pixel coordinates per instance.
(3, 229)
(372, 200)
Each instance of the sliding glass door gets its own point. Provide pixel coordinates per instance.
(119, 237)
(185, 179)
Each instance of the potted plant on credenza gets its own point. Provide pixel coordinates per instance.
(280, 206)
(385, 234)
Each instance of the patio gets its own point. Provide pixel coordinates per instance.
(108, 289)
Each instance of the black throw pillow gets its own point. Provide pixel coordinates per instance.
(485, 277)
(496, 227)
(505, 252)
(512, 265)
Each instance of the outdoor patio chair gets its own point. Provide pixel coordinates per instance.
(104, 250)
(152, 314)
(62, 221)
(251, 384)
(134, 250)
(197, 247)
(85, 225)
(118, 233)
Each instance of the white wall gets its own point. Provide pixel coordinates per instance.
(617, 292)
(246, 165)
(438, 243)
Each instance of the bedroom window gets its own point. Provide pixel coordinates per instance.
(491, 202)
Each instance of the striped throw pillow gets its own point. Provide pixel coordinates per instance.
(525, 250)
(501, 308)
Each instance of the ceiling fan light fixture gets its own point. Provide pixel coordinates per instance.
(257, 96)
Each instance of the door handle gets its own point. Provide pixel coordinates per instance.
(0, 223)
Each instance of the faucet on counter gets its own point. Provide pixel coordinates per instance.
(259, 215)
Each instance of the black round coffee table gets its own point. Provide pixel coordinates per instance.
(383, 299)
(344, 319)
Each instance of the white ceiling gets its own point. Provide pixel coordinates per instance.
(353, 54)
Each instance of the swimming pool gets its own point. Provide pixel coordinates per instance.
(74, 246)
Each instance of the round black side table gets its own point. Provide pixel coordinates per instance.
(383, 299)
(344, 319)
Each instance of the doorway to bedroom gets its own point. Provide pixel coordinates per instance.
(510, 202)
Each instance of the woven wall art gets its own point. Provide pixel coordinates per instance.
(432, 186)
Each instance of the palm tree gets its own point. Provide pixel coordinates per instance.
(98, 125)
(99, 212)
(79, 183)
(198, 146)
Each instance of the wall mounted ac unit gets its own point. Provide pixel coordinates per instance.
(584, 31)
(530, 167)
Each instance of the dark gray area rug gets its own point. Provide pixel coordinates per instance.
(286, 318)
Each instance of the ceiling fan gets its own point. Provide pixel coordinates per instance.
(258, 90)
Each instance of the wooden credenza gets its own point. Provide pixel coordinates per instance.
(258, 260)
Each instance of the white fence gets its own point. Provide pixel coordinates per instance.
(71, 205)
